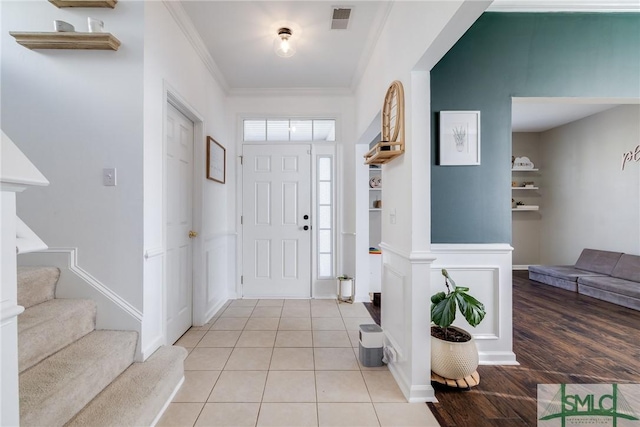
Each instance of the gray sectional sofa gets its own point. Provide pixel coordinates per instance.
(609, 276)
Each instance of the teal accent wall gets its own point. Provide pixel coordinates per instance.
(506, 55)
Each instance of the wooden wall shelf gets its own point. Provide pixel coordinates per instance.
(383, 152)
(54, 40)
(84, 3)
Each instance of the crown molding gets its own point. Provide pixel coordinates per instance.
(184, 22)
(374, 35)
(601, 6)
(274, 92)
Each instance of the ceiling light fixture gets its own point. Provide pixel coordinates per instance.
(283, 45)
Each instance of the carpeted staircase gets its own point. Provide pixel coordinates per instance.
(72, 374)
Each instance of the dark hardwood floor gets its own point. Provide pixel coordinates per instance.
(374, 311)
(559, 337)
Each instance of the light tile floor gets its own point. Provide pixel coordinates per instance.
(286, 363)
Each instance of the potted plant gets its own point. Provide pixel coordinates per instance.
(454, 354)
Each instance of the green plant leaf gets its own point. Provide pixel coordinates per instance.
(472, 309)
(436, 298)
(443, 313)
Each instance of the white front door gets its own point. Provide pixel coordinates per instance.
(179, 167)
(276, 200)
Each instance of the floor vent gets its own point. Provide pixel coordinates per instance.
(340, 18)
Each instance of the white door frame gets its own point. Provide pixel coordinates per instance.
(338, 176)
(171, 96)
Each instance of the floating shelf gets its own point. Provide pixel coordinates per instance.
(63, 40)
(525, 170)
(526, 208)
(84, 3)
(375, 189)
(374, 209)
(383, 152)
(525, 188)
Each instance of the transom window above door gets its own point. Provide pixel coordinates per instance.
(298, 130)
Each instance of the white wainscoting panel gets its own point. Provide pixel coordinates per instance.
(220, 272)
(483, 284)
(486, 270)
(153, 324)
(405, 320)
(394, 320)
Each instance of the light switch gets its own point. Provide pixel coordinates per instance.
(392, 216)
(109, 177)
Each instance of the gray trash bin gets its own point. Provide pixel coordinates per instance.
(370, 345)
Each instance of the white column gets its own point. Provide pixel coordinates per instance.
(421, 257)
(9, 310)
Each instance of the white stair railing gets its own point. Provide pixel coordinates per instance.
(17, 173)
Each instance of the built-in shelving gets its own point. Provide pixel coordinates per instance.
(64, 40)
(84, 3)
(524, 208)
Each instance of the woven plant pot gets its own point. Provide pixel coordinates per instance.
(453, 360)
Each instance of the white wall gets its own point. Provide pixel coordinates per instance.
(311, 105)
(526, 225)
(589, 201)
(73, 113)
(173, 68)
(77, 112)
(414, 38)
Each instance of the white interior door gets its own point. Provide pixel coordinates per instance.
(276, 200)
(179, 271)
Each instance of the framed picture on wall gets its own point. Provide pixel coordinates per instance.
(459, 138)
(216, 161)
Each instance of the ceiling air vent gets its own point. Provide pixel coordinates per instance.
(340, 18)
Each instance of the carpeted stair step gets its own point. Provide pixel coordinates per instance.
(36, 284)
(50, 326)
(137, 396)
(57, 388)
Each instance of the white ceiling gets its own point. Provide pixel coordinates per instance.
(541, 116)
(239, 36)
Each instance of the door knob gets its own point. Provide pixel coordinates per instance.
(192, 234)
(305, 228)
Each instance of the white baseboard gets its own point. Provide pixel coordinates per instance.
(497, 358)
(413, 394)
(213, 310)
(521, 267)
(73, 267)
(151, 348)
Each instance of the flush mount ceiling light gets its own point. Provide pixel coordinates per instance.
(283, 45)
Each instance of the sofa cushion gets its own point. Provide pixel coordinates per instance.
(565, 272)
(619, 299)
(612, 284)
(570, 285)
(602, 262)
(628, 267)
